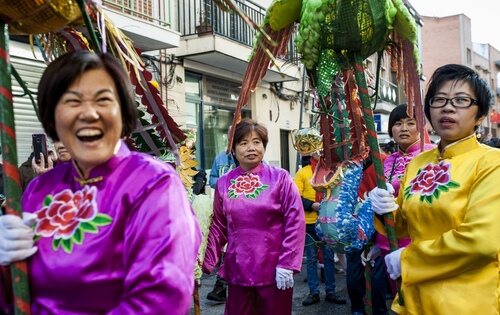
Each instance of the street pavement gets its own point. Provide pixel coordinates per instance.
(300, 292)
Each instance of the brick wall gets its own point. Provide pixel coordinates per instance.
(446, 40)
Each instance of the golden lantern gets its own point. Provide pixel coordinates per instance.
(307, 140)
(38, 16)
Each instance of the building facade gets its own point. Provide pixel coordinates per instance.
(210, 64)
(198, 54)
(448, 40)
(146, 22)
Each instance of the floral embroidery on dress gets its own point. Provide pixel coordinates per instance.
(430, 181)
(66, 217)
(248, 185)
(401, 164)
(395, 172)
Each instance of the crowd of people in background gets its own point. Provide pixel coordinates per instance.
(100, 223)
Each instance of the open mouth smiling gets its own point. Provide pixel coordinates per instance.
(89, 135)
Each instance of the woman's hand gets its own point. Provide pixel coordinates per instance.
(315, 206)
(16, 238)
(284, 278)
(383, 199)
(40, 168)
(393, 263)
(372, 254)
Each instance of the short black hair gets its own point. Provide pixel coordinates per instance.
(63, 71)
(459, 73)
(399, 112)
(245, 127)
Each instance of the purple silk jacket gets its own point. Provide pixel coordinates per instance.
(394, 169)
(125, 242)
(259, 215)
(395, 164)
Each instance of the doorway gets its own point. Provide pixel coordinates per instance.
(285, 149)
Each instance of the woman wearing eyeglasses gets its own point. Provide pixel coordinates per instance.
(449, 205)
(403, 129)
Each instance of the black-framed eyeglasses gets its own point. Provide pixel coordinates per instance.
(458, 101)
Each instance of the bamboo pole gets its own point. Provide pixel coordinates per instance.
(196, 297)
(389, 222)
(374, 147)
(90, 28)
(11, 176)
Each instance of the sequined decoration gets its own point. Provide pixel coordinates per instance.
(345, 222)
(327, 70)
(341, 122)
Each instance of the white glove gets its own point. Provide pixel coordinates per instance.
(372, 254)
(284, 278)
(393, 263)
(383, 200)
(16, 238)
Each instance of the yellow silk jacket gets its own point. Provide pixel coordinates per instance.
(303, 181)
(450, 207)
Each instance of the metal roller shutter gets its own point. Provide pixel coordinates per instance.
(26, 121)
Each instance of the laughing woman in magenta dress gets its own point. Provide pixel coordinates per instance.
(258, 213)
(114, 230)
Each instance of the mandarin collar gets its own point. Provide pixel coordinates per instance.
(97, 173)
(411, 149)
(254, 170)
(458, 147)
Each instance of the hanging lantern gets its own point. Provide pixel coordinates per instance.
(39, 16)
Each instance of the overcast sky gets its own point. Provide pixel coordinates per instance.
(484, 15)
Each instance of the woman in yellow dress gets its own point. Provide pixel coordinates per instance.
(449, 205)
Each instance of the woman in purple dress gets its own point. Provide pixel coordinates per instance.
(258, 213)
(114, 230)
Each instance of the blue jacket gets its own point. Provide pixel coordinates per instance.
(222, 164)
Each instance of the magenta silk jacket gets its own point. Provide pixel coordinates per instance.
(123, 242)
(395, 164)
(394, 169)
(259, 215)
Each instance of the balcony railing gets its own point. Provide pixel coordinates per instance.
(388, 92)
(197, 17)
(152, 11)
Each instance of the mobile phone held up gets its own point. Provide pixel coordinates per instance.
(40, 146)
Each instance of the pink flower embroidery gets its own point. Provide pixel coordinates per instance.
(431, 181)
(401, 166)
(66, 216)
(248, 185)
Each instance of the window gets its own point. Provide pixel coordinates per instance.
(210, 104)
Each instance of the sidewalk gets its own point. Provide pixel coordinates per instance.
(299, 293)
